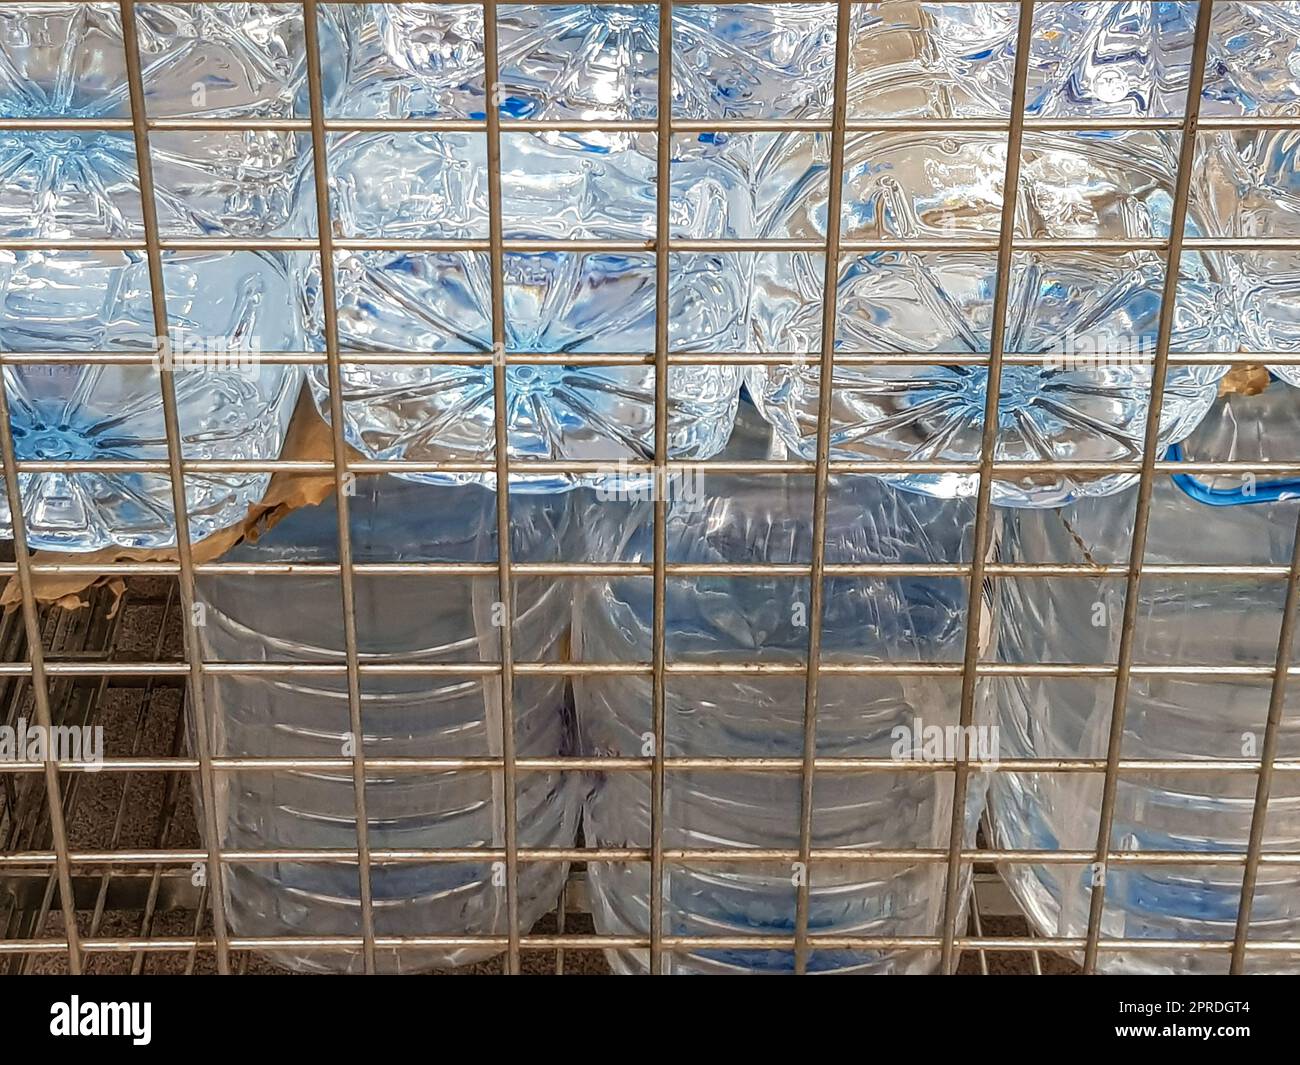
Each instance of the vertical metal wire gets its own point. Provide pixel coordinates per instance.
(1267, 758)
(1035, 961)
(40, 685)
(830, 304)
(492, 78)
(561, 923)
(324, 234)
(658, 697)
(984, 492)
(203, 731)
(978, 926)
(1146, 481)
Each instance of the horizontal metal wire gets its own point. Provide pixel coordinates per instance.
(180, 944)
(768, 570)
(767, 467)
(579, 764)
(845, 359)
(623, 855)
(766, 245)
(557, 3)
(685, 669)
(196, 124)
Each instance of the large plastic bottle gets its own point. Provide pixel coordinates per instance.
(408, 619)
(431, 186)
(582, 62)
(1181, 621)
(1253, 172)
(226, 312)
(592, 61)
(718, 619)
(229, 61)
(1090, 313)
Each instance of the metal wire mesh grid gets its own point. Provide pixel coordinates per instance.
(157, 913)
(46, 682)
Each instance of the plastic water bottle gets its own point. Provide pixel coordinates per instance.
(226, 310)
(1253, 172)
(576, 62)
(714, 619)
(219, 60)
(410, 619)
(1181, 621)
(556, 302)
(226, 60)
(592, 61)
(1091, 314)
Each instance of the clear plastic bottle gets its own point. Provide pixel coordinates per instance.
(592, 61)
(217, 60)
(211, 60)
(432, 186)
(742, 618)
(1092, 314)
(1253, 172)
(226, 311)
(580, 62)
(1122, 60)
(420, 619)
(1181, 621)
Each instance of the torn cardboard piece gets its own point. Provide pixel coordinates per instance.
(1244, 381)
(307, 440)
